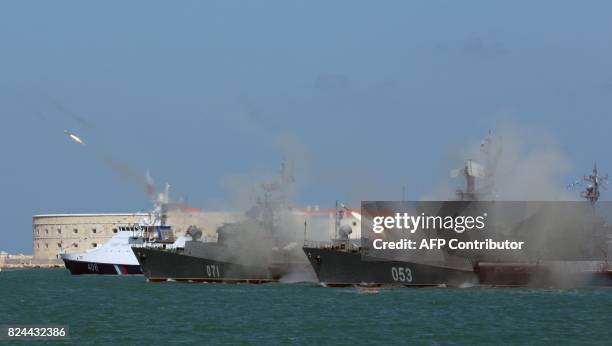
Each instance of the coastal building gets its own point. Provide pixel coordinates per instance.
(15, 261)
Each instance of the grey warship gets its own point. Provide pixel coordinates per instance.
(344, 262)
(249, 251)
(578, 259)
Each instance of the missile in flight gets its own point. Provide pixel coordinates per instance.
(74, 137)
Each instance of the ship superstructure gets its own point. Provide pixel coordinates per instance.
(115, 257)
(256, 250)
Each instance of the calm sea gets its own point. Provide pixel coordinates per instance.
(127, 310)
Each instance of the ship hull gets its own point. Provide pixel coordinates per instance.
(161, 265)
(531, 275)
(83, 267)
(339, 268)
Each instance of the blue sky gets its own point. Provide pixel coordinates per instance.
(365, 96)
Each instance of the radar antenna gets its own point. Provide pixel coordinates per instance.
(591, 184)
(473, 169)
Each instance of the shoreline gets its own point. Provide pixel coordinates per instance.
(21, 261)
(31, 266)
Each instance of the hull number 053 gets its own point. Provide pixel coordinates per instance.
(401, 274)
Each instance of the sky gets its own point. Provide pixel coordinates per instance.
(365, 97)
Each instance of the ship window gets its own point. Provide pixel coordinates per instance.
(94, 245)
(59, 245)
(75, 231)
(114, 230)
(59, 231)
(75, 244)
(94, 231)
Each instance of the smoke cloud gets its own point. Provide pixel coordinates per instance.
(524, 164)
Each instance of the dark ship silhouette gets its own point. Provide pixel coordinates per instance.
(254, 250)
(563, 258)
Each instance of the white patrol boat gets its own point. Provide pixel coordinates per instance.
(116, 257)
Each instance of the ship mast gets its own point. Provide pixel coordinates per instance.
(591, 183)
(473, 170)
(266, 208)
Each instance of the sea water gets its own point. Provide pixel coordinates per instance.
(128, 310)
